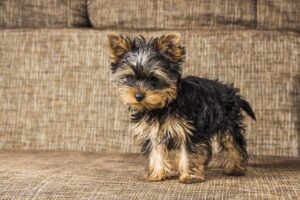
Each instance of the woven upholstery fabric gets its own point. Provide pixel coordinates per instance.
(195, 14)
(56, 92)
(72, 175)
(278, 14)
(170, 14)
(41, 13)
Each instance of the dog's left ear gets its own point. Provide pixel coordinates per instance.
(119, 45)
(169, 45)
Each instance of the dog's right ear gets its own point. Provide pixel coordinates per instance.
(169, 45)
(119, 45)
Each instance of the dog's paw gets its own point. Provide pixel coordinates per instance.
(235, 171)
(172, 175)
(189, 179)
(162, 175)
(156, 178)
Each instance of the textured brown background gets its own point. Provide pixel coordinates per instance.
(168, 14)
(196, 14)
(74, 175)
(43, 13)
(279, 14)
(56, 92)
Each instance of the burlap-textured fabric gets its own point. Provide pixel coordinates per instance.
(195, 14)
(41, 13)
(56, 92)
(278, 14)
(61, 175)
(170, 14)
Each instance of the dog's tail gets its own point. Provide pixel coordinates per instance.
(247, 108)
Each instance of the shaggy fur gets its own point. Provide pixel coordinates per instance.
(169, 112)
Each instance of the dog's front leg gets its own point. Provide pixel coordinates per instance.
(192, 161)
(160, 167)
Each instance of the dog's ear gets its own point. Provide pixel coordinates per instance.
(169, 45)
(119, 45)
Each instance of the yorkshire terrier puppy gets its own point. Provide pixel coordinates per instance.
(169, 112)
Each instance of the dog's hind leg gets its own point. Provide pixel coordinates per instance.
(234, 145)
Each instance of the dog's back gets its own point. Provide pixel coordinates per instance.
(211, 100)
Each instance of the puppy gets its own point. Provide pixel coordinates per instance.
(169, 112)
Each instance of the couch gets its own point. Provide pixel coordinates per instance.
(64, 134)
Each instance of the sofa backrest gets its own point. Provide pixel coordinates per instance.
(54, 83)
(56, 92)
(196, 14)
(43, 13)
(167, 14)
(154, 15)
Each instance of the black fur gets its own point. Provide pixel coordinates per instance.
(213, 107)
(210, 106)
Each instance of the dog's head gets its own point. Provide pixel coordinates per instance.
(146, 73)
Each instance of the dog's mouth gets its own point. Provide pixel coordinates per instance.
(142, 106)
(147, 99)
(150, 102)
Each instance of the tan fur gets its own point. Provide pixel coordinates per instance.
(234, 162)
(191, 166)
(153, 99)
(158, 98)
(177, 128)
(169, 39)
(143, 130)
(161, 73)
(160, 166)
(127, 95)
(122, 72)
(169, 44)
(119, 45)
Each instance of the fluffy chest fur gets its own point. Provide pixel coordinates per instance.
(172, 130)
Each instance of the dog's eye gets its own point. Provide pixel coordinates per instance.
(153, 79)
(124, 79)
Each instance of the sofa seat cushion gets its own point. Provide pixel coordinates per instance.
(69, 175)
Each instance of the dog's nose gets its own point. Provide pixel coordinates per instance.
(139, 96)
